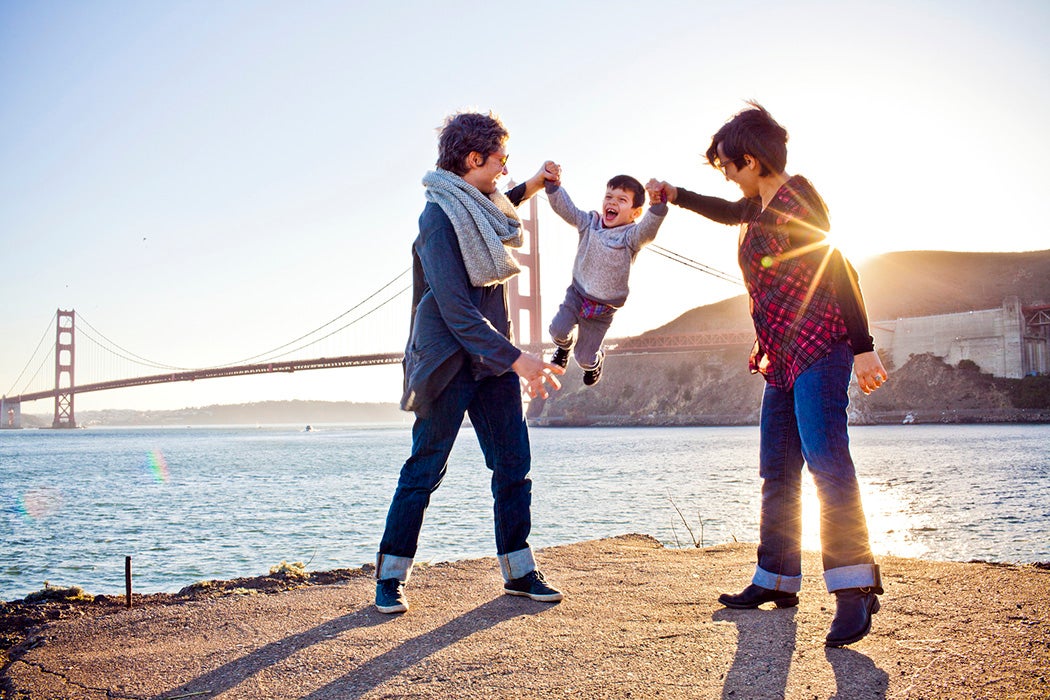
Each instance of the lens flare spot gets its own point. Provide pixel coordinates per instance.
(37, 503)
(767, 261)
(158, 466)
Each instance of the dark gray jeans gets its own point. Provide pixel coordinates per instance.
(571, 329)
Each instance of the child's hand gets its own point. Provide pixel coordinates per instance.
(660, 191)
(656, 193)
(548, 174)
(552, 172)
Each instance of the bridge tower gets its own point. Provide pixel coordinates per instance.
(64, 354)
(523, 291)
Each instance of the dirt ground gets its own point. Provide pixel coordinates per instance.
(638, 621)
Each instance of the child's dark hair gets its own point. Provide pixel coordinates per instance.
(628, 184)
(755, 132)
(467, 132)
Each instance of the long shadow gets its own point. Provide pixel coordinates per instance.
(764, 648)
(235, 672)
(856, 676)
(382, 668)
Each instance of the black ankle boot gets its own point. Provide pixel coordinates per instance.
(853, 610)
(753, 596)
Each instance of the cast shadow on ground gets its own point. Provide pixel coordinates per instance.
(239, 670)
(374, 672)
(764, 648)
(856, 676)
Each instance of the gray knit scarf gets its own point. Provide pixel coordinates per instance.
(485, 226)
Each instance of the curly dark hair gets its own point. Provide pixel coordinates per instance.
(752, 131)
(467, 132)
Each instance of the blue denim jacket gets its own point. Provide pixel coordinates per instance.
(452, 321)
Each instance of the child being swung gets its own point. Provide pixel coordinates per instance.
(609, 243)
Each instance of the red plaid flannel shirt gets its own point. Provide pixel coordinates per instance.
(793, 303)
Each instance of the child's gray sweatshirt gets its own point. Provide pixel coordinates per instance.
(604, 255)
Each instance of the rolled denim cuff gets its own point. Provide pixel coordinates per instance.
(390, 566)
(776, 582)
(855, 576)
(516, 564)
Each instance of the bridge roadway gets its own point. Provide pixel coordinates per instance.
(614, 346)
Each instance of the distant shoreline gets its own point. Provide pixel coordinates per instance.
(1012, 417)
(953, 417)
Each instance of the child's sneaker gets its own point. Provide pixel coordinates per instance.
(532, 585)
(390, 596)
(591, 376)
(560, 357)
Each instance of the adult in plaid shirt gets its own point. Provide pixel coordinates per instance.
(811, 329)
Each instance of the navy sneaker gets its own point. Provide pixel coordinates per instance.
(532, 585)
(390, 596)
(560, 357)
(591, 376)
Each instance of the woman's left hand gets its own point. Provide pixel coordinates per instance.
(869, 371)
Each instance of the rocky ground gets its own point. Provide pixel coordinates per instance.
(639, 620)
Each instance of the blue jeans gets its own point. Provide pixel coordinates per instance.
(808, 424)
(494, 407)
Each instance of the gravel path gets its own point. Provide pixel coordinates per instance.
(638, 621)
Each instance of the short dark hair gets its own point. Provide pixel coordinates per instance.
(465, 132)
(628, 184)
(755, 132)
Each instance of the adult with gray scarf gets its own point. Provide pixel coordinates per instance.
(460, 357)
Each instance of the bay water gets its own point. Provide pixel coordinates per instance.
(191, 504)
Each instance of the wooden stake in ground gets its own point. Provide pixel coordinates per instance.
(127, 581)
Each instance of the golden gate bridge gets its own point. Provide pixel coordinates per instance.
(110, 358)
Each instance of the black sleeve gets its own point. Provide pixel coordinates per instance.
(851, 303)
(721, 210)
(516, 194)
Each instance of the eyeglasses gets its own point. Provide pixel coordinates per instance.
(738, 162)
(502, 159)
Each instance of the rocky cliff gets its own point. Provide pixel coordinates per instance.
(715, 388)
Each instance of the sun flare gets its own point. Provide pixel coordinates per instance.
(892, 523)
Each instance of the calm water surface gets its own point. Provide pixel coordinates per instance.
(190, 504)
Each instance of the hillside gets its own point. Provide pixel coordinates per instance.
(715, 388)
(914, 283)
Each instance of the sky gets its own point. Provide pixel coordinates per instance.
(204, 181)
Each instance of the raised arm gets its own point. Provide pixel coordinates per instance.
(721, 210)
(563, 206)
(550, 172)
(645, 232)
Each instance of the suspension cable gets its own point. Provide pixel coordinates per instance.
(43, 363)
(307, 335)
(30, 360)
(130, 357)
(123, 352)
(699, 266)
(344, 327)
